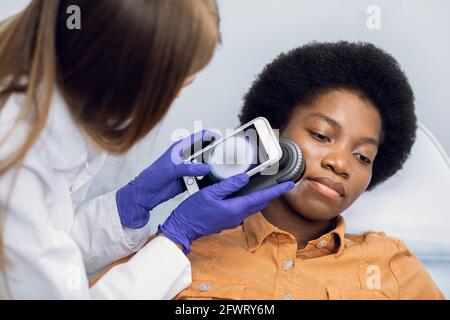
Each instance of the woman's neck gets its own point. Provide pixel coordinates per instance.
(281, 215)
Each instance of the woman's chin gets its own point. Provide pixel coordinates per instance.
(308, 207)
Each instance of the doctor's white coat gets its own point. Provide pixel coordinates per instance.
(52, 238)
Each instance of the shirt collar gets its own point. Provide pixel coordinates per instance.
(257, 229)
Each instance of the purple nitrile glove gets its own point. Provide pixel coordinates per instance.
(159, 182)
(207, 212)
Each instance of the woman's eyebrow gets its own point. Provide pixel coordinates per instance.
(331, 121)
(338, 127)
(366, 140)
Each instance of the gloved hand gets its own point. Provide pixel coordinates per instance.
(159, 182)
(207, 212)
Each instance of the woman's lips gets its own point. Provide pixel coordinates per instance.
(324, 190)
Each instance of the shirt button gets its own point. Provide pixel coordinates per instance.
(288, 264)
(288, 296)
(205, 287)
(322, 244)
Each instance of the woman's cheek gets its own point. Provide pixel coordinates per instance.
(361, 178)
(313, 153)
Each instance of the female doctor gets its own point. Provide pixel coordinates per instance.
(69, 96)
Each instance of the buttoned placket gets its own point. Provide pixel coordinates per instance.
(285, 277)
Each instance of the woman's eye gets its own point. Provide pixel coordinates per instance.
(319, 136)
(365, 159)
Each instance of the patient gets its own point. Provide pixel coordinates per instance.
(351, 109)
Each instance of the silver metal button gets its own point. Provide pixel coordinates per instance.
(322, 244)
(204, 287)
(288, 264)
(288, 296)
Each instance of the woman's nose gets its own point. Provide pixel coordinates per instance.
(338, 163)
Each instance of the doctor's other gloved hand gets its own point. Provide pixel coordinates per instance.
(159, 182)
(207, 211)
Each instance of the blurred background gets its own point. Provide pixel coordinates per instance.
(254, 32)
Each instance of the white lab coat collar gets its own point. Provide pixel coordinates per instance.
(67, 145)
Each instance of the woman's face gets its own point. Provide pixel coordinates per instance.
(339, 135)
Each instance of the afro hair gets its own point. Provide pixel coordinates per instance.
(295, 78)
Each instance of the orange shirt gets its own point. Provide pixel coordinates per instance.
(259, 261)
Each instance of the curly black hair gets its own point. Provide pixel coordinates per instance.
(295, 78)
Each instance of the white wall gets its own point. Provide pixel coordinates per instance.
(9, 7)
